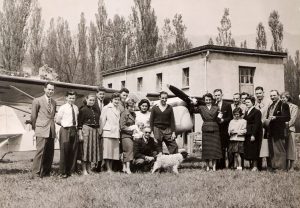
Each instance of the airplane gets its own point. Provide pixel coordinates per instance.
(18, 92)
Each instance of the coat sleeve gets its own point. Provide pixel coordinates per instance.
(123, 123)
(229, 116)
(103, 118)
(257, 122)
(285, 113)
(243, 129)
(294, 114)
(59, 115)
(34, 112)
(173, 125)
(230, 128)
(151, 120)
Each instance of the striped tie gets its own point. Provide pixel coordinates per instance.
(49, 105)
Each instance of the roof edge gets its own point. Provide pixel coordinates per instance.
(196, 51)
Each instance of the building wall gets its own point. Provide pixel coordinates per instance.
(222, 72)
(172, 73)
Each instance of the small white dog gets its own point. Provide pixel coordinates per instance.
(165, 161)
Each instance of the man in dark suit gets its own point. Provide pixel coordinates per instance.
(101, 101)
(145, 150)
(278, 113)
(225, 116)
(42, 121)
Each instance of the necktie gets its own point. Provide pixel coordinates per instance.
(73, 116)
(49, 105)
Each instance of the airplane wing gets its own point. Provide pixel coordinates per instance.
(20, 91)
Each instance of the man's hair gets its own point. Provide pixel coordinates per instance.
(115, 95)
(244, 93)
(163, 92)
(100, 89)
(48, 83)
(218, 90)
(124, 89)
(237, 94)
(259, 88)
(70, 93)
(275, 91)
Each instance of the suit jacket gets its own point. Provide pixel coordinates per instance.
(277, 126)
(98, 108)
(142, 149)
(209, 117)
(294, 114)
(126, 120)
(254, 124)
(109, 121)
(227, 117)
(42, 120)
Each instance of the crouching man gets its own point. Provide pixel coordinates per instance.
(145, 150)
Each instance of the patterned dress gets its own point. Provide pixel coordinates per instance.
(88, 122)
(211, 142)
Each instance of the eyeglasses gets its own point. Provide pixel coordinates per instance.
(147, 132)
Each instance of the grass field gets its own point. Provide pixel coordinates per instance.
(193, 187)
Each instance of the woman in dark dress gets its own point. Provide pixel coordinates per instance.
(254, 133)
(211, 142)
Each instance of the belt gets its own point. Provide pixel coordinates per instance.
(70, 127)
(92, 126)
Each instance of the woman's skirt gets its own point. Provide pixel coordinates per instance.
(91, 145)
(251, 149)
(127, 145)
(111, 148)
(291, 146)
(211, 146)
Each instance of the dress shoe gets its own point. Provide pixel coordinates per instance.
(64, 176)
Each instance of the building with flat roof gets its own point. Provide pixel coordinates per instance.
(203, 69)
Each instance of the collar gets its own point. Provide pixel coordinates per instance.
(47, 98)
(250, 109)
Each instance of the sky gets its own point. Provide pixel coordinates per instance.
(200, 16)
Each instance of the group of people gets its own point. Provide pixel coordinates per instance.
(101, 132)
(248, 129)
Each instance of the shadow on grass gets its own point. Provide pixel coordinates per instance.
(13, 171)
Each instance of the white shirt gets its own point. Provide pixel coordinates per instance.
(220, 105)
(64, 115)
(142, 118)
(101, 104)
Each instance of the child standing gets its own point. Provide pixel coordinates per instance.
(237, 130)
(88, 125)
